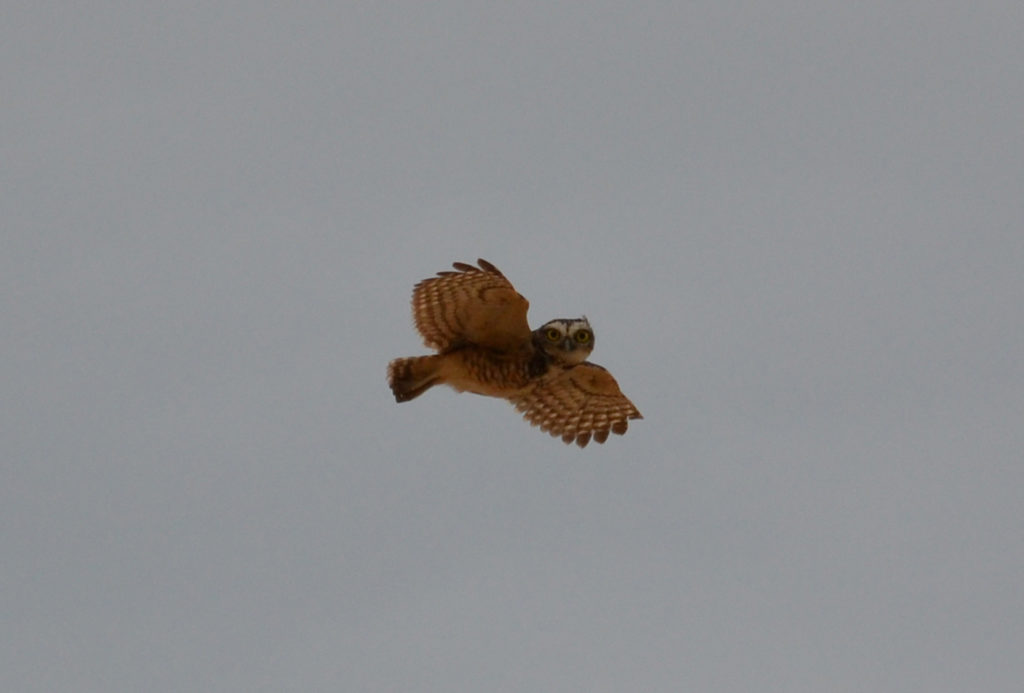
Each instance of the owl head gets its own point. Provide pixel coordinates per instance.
(567, 341)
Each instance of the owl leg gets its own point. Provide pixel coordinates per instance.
(411, 377)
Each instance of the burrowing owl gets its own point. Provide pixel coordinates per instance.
(476, 321)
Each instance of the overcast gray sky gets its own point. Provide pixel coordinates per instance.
(797, 228)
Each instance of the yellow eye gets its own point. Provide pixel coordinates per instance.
(553, 334)
(582, 336)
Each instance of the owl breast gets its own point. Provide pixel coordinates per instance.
(486, 372)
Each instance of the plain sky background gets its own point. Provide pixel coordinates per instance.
(797, 228)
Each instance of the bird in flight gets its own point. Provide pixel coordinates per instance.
(476, 322)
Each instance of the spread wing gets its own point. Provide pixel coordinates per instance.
(578, 403)
(473, 305)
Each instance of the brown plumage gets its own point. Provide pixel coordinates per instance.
(476, 321)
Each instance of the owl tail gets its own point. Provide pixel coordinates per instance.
(411, 377)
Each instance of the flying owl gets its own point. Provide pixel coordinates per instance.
(476, 321)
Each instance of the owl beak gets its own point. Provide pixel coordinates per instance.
(567, 344)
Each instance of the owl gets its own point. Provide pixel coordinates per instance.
(476, 322)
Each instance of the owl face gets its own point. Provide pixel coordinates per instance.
(566, 341)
